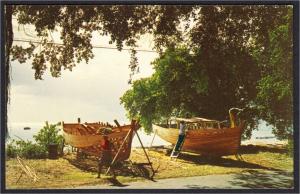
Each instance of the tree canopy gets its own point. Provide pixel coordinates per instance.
(231, 62)
(211, 57)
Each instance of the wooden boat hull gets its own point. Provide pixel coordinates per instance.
(223, 141)
(78, 136)
(85, 137)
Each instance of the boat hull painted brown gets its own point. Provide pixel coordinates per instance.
(86, 138)
(223, 141)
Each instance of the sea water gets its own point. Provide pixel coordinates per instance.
(262, 136)
(16, 131)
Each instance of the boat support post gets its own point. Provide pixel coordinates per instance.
(153, 171)
(152, 139)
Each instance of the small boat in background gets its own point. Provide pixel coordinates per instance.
(27, 128)
(204, 136)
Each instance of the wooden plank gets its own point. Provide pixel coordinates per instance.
(117, 123)
(90, 129)
(27, 170)
(195, 120)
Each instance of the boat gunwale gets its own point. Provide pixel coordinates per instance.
(70, 129)
(208, 129)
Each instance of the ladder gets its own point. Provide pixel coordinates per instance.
(175, 154)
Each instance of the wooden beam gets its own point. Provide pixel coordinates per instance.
(20, 176)
(89, 129)
(145, 152)
(117, 123)
(27, 170)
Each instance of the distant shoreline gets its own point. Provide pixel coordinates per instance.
(266, 143)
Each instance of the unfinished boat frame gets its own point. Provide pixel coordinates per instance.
(87, 137)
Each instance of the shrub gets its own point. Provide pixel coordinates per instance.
(26, 149)
(30, 150)
(49, 135)
(11, 150)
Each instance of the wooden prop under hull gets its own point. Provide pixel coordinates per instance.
(213, 141)
(86, 137)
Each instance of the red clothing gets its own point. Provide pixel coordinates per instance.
(105, 144)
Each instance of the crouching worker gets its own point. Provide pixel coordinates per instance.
(105, 157)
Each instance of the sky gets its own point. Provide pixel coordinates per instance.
(91, 91)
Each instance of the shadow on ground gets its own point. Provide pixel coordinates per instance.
(125, 168)
(257, 180)
(226, 162)
(254, 149)
(223, 162)
(260, 180)
(114, 182)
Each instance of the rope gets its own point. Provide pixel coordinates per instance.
(93, 46)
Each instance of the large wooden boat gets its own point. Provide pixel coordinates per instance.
(88, 137)
(204, 136)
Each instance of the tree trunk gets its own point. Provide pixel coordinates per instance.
(8, 44)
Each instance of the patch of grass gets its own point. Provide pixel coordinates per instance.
(54, 174)
(271, 160)
(51, 173)
(194, 165)
(68, 172)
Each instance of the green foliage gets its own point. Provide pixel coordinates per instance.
(235, 56)
(123, 23)
(49, 135)
(26, 149)
(38, 149)
(11, 150)
(149, 100)
(211, 57)
(275, 88)
(182, 87)
(140, 102)
(170, 25)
